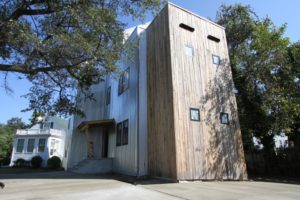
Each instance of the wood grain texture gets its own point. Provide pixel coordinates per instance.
(178, 82)
(161, 138)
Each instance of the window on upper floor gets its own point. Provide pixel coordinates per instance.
(47, 125)
(189, 50)
(20, 145)
(41, 146)
(186, 27)
(213, 38)
(123, 82)
(122, 133)
(224, 118)
(216, 59)
(30, 145)
(108, 95)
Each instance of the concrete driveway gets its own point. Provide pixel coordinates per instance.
(69, 186)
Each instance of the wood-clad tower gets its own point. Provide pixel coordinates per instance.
(193, 127)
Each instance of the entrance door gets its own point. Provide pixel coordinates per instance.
(105, 144)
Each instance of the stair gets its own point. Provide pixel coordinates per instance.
(93, 166)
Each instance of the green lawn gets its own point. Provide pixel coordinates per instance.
(13, 170)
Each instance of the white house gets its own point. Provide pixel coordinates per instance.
(170, 113)
(45, 139)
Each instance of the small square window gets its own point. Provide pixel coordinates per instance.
(216, 60)
(224, 119)
(194, 114)
(189, 51)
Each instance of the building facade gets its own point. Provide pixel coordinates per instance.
(171, 112)
(45, 139)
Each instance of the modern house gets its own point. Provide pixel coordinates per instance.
(171, 112)
(45, 139)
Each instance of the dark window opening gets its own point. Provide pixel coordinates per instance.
(122, 133)
(194, 114)
(125, 133)
(224, 118)
(186, 27)
(210, 37)
(119, 134)
(108, 94)
(105, 144)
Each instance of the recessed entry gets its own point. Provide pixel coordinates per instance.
(186, 27)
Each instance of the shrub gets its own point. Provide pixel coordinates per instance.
(36, 161)
(54, 162)
(20, 162)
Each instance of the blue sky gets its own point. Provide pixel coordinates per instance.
(279, 11)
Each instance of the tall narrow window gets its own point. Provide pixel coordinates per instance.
(30, 145)
(123, 82)
(42, 144)
(108, 94)
(122, 133)
(20, 145)
(119, 134)
(125, 133)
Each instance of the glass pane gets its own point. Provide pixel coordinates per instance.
(30, 145)
(189, 50)
(42, 143)
(195, 114)
(216, 60)
(20, 145)
(224, 118)
(119, 134)
(125, 133)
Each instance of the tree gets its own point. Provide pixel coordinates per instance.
(61, 46)
(7, 133)
(265, 71)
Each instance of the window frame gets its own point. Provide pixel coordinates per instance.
(124, 82)
(28, 142)
(39, 145)
(17, 148)
(227, 116)
(122, 137)
(213, 59)
(191, 118)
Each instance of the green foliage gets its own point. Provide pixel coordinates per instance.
(265, 69)
(54, 163)
(7, 133)
(63, 46)
(36, 161)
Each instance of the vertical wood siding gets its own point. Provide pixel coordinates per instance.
(177, 82)
(161, 138)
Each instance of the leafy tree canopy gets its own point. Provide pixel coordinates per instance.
(265, 67)
(63, 45)
(7, 133)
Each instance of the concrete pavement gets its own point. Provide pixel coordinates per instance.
(62, 185)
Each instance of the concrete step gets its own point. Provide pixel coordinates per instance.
(93, 166)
